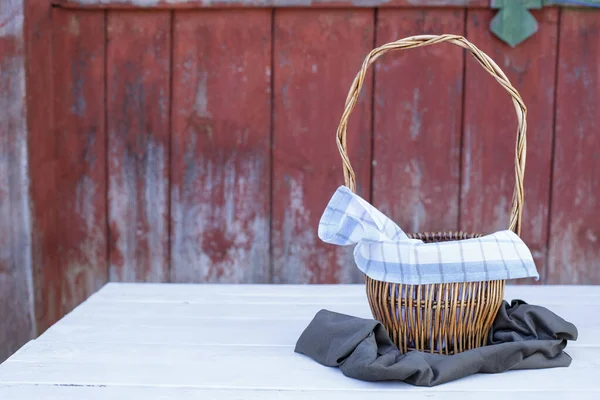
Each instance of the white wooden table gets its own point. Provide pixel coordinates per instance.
(167, 341)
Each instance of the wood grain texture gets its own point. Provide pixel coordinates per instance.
(42, 154)
(248, 367)
(490, 127)
(575, 221)
(220, 203)
(16, 281)
(138, 135)
(80, 139)
(193, 348)
(316, 56)
(129, 4)
(418, 109)
(72, 392)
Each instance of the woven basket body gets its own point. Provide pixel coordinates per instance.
(444, 318)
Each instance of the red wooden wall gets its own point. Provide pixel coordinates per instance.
(184, 143)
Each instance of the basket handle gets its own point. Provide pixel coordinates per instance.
(488, 64)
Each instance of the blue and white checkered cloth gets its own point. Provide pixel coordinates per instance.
(384, 252)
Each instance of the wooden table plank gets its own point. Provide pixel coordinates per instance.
(74, 392)
(121, 354)
(248, 309)
(132, 292)
(245, 349)
(192, 314)
(269, 368)
(274, 325)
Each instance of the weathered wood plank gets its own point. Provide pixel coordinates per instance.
(42, 154)
(316, 56)
(138, 135)
(575, 220)
(80, 136)
(101, 392)
(220, 203)
(490, 129)
(110, 314)
(306, 294)
(125, 4)
(242, 368)
(16, 281)
(418, 109)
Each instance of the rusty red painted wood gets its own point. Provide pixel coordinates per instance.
(316, 56)
(575, 220)
(490, 130)
(80, 139)
(138, 144)
(183, 4)
(220, 199)
(42, 165)
(16, 281)
(418, 109)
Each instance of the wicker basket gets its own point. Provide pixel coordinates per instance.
(443, 318)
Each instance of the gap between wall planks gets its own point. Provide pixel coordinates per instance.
(575, 220)
(418, 110)
(191, 4)
(138, 87)
(221, 110)
(316, 56)
(490, 129)
(16, 281)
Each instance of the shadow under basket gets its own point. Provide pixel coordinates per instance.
(442, 318)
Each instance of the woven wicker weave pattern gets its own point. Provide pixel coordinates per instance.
(444, 318)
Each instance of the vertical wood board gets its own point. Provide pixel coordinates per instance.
(490, 127)
(316, 56)
(220, 200)
(575, 220)
(418, 110)
(16, 281)
(80, 135)
(138, 144)
(42, 160)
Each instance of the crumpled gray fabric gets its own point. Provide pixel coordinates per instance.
(523, 336)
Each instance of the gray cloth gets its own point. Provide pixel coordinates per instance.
(523, 336)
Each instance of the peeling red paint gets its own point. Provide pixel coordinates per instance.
(220, 203)
(138, 128)
(490, 132)
(418, 112)
(80, 143)
(43, 171)
(575, 220)
(16, 272)
(311, 83)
